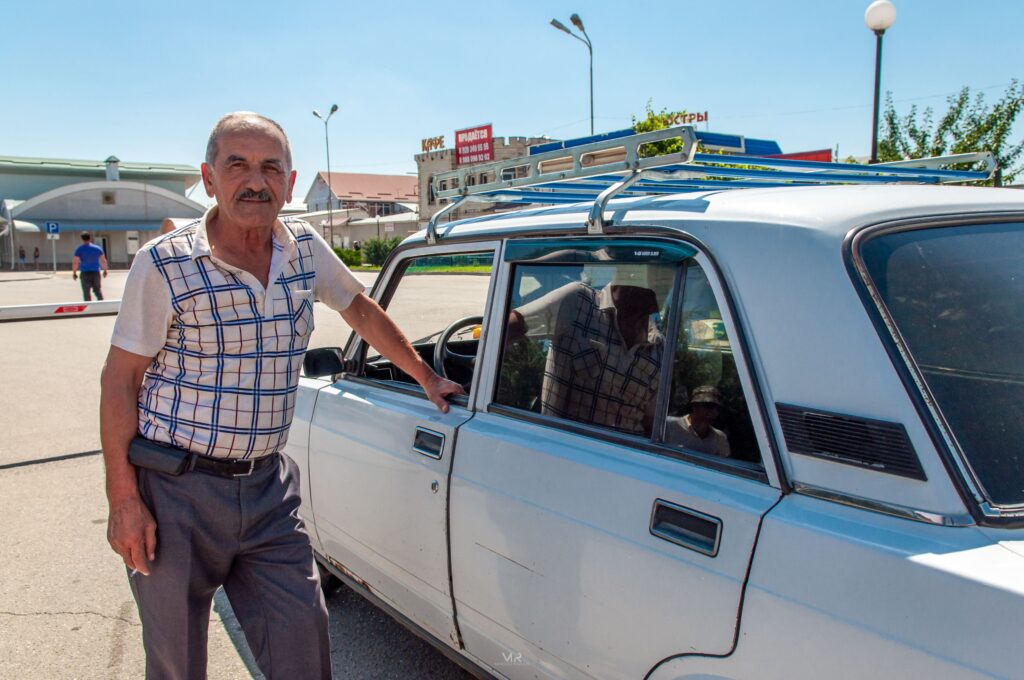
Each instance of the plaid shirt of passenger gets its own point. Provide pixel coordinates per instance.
(591, 376)
(226, 353)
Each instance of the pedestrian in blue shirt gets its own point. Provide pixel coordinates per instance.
(89, 259)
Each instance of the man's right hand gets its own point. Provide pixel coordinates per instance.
(131, 531)
(74, 275)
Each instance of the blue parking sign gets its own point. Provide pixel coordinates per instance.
(53, 227)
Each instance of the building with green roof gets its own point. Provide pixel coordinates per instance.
(121, 204)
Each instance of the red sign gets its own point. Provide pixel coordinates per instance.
(474, 145)
(70, 309)
(820, 155)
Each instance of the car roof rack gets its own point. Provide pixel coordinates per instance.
(600, 170)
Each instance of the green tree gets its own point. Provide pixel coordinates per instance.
(657, 120)
(376, 250)
(968, 125)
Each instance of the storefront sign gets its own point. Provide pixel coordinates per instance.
(684, 118)
(474, 145)
(432, 143)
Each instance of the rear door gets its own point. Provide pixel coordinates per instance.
(380, 453)
(598, 526)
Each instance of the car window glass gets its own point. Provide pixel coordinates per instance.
(585, 342)
(432, 293)
(707, 411)
(956, 295)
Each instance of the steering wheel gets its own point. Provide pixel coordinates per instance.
(443, 354)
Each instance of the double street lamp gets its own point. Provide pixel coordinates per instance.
(879, 16)
(578, 23)
(329, 232)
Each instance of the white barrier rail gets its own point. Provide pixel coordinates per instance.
(59, 310)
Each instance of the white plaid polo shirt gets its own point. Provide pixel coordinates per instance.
(226, 353)
(591, 376)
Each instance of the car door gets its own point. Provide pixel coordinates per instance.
(380, 453)
(590, 536)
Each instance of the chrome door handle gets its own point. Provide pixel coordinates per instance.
(428, 442)
(686, 527)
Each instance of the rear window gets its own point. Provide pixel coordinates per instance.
(956, 295)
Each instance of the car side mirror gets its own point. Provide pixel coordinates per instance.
(323, 361)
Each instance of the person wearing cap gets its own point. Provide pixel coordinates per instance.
(696, 430)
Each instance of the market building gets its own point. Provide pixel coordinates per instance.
(437, 160)
(121, 204)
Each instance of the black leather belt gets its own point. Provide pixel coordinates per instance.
(228, 467)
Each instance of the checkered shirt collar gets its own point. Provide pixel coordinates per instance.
(606, 304)
(283, 238)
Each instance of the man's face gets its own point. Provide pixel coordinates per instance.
(250, 177)
(703, 413)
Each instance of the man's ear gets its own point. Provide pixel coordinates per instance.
(291, 186)
(207, 173)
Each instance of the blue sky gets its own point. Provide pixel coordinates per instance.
(146, 80)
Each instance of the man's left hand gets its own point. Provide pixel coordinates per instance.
(104, 274)
(438, 390)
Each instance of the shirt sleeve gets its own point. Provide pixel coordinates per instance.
(336, 285)
(146, 311)
(541, 315)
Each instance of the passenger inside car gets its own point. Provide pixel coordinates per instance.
(696, 430)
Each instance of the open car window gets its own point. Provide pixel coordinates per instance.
(429, 295)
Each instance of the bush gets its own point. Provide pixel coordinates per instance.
(376, 250)
(350, 256)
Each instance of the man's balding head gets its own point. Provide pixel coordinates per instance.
(245, 121)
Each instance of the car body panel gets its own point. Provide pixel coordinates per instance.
(842, 593)
(297, 448)
(379, 505)
(551, 543)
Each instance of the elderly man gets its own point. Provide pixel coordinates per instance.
(198, 393)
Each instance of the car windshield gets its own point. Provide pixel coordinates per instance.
(956, 296)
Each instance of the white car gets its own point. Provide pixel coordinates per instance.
(756, 433)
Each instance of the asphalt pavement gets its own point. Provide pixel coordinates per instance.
(65, 607)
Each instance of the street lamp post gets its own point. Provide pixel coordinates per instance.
(578, 23)
(329, 232)
(879, 16)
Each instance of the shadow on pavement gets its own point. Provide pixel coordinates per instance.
(366, 643)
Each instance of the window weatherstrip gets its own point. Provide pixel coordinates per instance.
(671, 342)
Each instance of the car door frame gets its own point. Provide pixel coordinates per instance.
(747, 367)
(379, 578)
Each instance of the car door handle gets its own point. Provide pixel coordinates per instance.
(428, 442)
(686, 527)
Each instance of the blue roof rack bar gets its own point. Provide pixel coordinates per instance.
(598, 170)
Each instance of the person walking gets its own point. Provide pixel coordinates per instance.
(35, 257)
(89, 259)
(198, 392)
(21, 257)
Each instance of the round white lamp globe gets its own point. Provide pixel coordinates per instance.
(880, 15)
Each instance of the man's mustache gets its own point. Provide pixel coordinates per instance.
(249, 194)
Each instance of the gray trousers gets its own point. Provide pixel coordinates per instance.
(243, 533)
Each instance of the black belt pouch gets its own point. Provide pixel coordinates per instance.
(169, 460)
